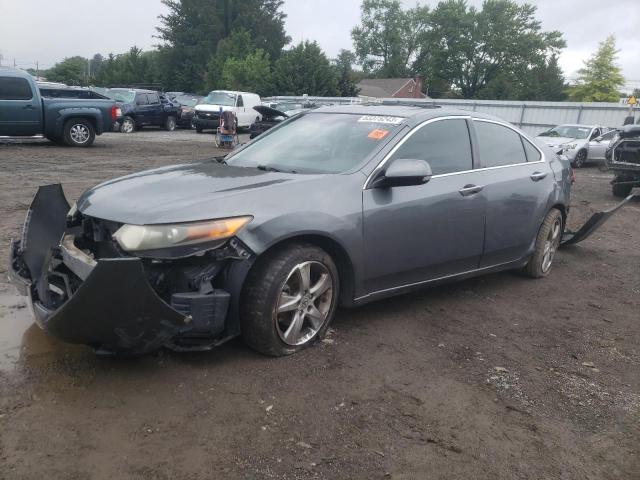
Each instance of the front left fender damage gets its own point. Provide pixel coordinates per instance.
(118, 304)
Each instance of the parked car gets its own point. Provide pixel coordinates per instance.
(207, 113)
(271, 116)
(142, 108)
(598, 146)
(623, 159)
(186, 108)
(70, 92)
(338, 205)
(573, 140)
(72, 121)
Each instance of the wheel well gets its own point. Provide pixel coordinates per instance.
(91, 120)
(563, 211)
(339, 256)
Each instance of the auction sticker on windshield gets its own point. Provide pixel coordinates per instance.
(380, 119)
(378, 134)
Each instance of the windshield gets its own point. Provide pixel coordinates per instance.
(124, 96)
(187, 101)
(317, 143)
(567, 131)
(220, 98)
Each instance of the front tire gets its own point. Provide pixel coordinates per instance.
(622, 190)
(170, 124)
(128, 125)
(289, 299)
(547, 243)
(78, 133)
(580, 160)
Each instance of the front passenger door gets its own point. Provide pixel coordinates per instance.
(414, 234)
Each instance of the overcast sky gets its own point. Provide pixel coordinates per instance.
(49, 30)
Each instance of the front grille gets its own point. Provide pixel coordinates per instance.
(208, 115)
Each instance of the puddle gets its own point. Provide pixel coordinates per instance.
(21, 340)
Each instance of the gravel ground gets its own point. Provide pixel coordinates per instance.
(498, 377)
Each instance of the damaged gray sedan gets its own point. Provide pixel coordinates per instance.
(336, 206)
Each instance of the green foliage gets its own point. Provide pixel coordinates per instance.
(72, 71)
(600, 79)
(305, 69)
(250, 74)
(389, 38)
(346, 77)
(470, 49)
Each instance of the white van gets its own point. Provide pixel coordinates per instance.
(207, 112)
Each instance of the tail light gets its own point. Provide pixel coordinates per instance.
(115, 113)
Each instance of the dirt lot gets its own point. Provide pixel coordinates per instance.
(498, 377)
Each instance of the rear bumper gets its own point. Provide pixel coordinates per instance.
(108, 304)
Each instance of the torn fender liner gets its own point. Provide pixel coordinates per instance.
(595, 222)
(43, 227)
(114, 310)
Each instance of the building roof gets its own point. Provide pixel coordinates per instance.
(382, 87)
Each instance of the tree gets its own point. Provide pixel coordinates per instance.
(305, 69)
(72, 71)
(600, 78)
(389, 38)
(469, 49)
(346, 76)
(252, 73)
(192, 30)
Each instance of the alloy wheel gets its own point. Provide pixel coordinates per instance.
(128, 126)
(551, 245)
(304, 303)
(79, 133)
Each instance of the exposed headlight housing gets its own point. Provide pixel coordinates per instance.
(187, 237)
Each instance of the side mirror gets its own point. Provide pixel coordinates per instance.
(598, 139)
(404, 172)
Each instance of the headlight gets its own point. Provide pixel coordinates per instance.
(570, 146)
(137, 238)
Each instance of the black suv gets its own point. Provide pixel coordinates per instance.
(142, 108)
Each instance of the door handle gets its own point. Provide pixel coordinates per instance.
(28, 107)
(469, 190)
(537, 176)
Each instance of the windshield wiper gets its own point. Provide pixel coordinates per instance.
(266, 168)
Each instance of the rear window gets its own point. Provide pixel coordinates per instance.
(13, 88)
(533, 154)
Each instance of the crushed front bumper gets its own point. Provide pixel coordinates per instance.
(108, 303)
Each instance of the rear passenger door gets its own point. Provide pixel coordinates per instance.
(241, 112)
(155, 109)
(518, 185)
(20, 109)
(414, 234)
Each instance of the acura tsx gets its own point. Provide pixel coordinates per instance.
(336, 206)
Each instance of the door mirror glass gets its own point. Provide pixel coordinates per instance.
(404, 172)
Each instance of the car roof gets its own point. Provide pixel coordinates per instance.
(412, 114)
(577, 125)
(235, 92)
(14, 72)
(136, 90)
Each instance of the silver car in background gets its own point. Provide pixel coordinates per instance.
(575, 141)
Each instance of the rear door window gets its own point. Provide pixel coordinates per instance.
(498, 145)
(13, 88)
(153, 98)
(444, 144)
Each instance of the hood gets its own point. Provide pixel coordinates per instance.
(182, 193)
(268, 112)
(559, 141)
(212, 108)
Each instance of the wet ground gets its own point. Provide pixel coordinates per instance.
(498, 377)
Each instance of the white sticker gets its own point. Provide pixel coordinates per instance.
(380, 119)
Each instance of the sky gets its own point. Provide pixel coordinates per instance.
(46, 31)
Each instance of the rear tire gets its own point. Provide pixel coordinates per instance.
(547, 243)
(621, 190)
(289, 299)
(78, 132)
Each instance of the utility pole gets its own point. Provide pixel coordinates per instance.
(37, 69)
(14, 62)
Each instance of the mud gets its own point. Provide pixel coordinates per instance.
(498, 377)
